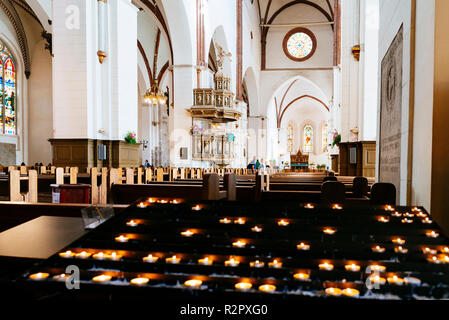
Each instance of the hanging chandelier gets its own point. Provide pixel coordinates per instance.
(154, 95)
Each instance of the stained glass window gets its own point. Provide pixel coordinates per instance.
(7, 91)
(308, 138)
(299, 45)
(290, 139)
(324, 138)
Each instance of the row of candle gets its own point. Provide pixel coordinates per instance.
(384, 219)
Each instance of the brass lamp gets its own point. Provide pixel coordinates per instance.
(154, 95)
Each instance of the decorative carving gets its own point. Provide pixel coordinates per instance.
(356, 52)
(299, 158)
(221, 56)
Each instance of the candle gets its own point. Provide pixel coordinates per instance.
(98, 256)
(432, 234)
(113, 256)
(352, 267)
(421, 215)
(389, 208)
(150, 258)
(333, 291)
(416, 209)
(377, 268)
(283, 223)
(240, 221)
(39, 276)
(378, 249)
(205, 261)
(433, 259)
(429, 251)
(326, 266)
(375, 279)
(275, 264)
(225, 221)
(142, 205)
(445, 250)
(395, 280)
(267, 288)
(400, 249)
(232, 262)
(349, 292)
(303, 246)
(151, 200)
(67, 254)
(187, 233)
(405, 220)
(427, 220)
(239, 244)
(83, 255)
(121, 238)
(336, 206)
(383, 219)
(173, 260)
(139, 281)
(196, 208)
(256, 264)
(101, 278)
(330, 231)
(132, 223)
(396, 214)
(398, 241)
(256, 229)
(409, 215)
(193, 283)
(444, 258)
(61, 277)
(243, 286)
(301, 276)
(412, 281)
(309, 206)
(163, 201)
(176, 201)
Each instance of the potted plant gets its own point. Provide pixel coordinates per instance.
(196, 129)
(130, 137)
(336, 138)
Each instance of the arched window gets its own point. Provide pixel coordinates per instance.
(308, 138)
(324, 137)
(290, 139)
(7, 91)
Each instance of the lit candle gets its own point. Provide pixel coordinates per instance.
(378, 249)
(421, 215)
(432, 234)
(405, 220)
(383, 219)
(444, 258)
(256, 229)
(326, 266)
(412, 281)
(132, 223)
(150, 258)
(139, 281)
(225, 221)
(396, 214)
(433, 259)
(303, 246)
(176, 201)
(336, 206)
(121, 238)
(309, 206)
(83, 255)
(67, 254)
(256, 264)
(377, 268)
(395, 280)
(239, 244)
(194, 283)
(240, 221)
(375, 279)
(142, 205)
(416, 209)
(427, 250)
(196, 208)
(427, 220)
(275, 264)
(232, 262)
(349, 292)
(113, 256)
(150, 200)
(173, 260)
(205, 261)
(61, 277)
(283, 223)
(301, 276)
(39, 276)
(101, 278)
(98, 256)
(398, 241)
(267, 288)
(163, 201)
(187, 233)
(409, 215)
(445, 250)
(329, 231)
(400, 249)
(243, 286)
(352, 267)
(333, 291)
(389, 208)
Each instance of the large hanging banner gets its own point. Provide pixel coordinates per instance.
(390, 114)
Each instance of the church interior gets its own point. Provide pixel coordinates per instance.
(224, 150)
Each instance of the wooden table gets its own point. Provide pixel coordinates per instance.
(40, 238)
